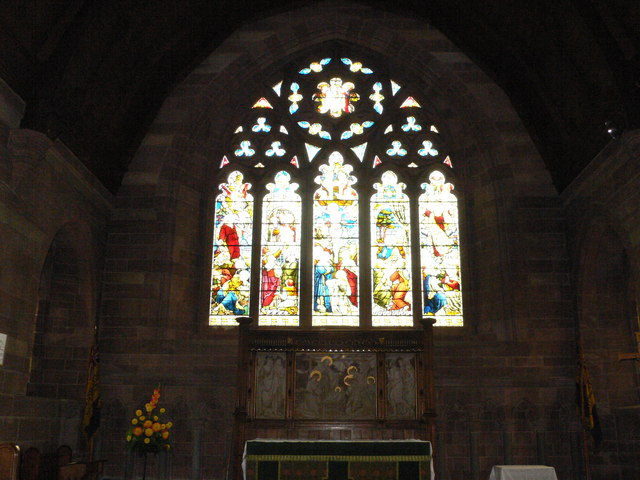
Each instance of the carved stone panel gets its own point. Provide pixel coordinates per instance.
(271, 382)
(335, 386)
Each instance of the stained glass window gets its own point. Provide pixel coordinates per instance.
(232, 242)
(319, 137)
(390, 254)
(439, 251)
(335, 246)
(280, 253)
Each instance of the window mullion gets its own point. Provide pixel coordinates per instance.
(365, 282)
(306, 252)
(416, 260)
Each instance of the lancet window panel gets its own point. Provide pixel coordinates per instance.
(366, 235)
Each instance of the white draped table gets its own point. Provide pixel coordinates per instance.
(522, 472)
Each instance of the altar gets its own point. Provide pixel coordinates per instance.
(337, 460)
(343, 393)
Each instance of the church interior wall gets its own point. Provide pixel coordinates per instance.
(48, 201)
(140, 264)
(505, 375)
(602, 206)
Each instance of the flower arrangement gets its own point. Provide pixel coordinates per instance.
(149, 432)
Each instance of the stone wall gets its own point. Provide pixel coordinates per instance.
(140, 262)
(603, 206)
(50, 207)
(505, 381)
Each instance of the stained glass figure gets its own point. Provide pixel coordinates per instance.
(312, 151)
(410, 102)
(390, 254)
(394, 88)
(315, 66)
(359, 150)
(335, 98)
(335, 246)
(439, 251)
(262, 103)
(231, 259)
(310, 105)
(280, 253)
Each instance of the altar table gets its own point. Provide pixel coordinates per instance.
(522, 472)
(337, 460)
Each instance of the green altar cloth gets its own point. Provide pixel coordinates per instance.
(337, 460)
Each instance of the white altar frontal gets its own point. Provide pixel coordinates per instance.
(523, 472)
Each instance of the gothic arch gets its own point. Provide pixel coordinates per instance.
(178, 160)
(65, 315)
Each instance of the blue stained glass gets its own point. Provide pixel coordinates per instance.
(411, 125)
(275, 149)
(427, 149)
(396, 149)
(261, 126)
(245, 149)
(346, 135)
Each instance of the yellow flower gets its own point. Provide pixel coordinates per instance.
(148, 407)
(142, 417)
(162, 410)
(148, 432)
(134, 421)
(138, 412)
(164, 425)
(169, 424)
(165, 434)
(155, 418)
(129, 438)
(146, 440)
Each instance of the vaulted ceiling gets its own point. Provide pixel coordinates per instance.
(94, 73)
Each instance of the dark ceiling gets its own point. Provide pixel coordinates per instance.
(94, 73)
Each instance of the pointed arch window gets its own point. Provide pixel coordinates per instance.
(355, 214)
